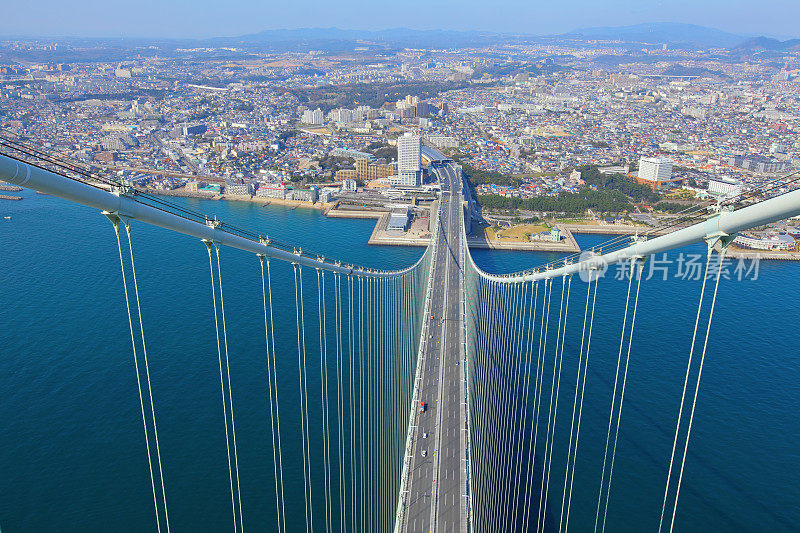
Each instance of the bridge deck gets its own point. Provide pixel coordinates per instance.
(436, 500)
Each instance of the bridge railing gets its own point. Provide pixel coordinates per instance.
(418, 378)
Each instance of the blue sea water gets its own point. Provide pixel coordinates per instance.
(72, 455)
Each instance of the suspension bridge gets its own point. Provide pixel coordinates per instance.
(440, 385)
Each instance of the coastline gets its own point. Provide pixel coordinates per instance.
(379, 236)
(182, 193)
(734, 252)
(354, 213)
(567, 245)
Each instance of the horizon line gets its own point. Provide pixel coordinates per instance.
(485, 32)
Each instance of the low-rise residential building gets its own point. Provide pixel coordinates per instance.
(273, 190)
(398, 220)
(238, 189)
(306, 195)
(373, 171)
(766, 242)
(725, 187)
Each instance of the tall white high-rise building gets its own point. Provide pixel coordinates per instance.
(342, 115)
(409, 160)
(409, 152)
(314, 117)
(655, 168)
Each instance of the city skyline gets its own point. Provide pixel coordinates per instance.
(150, 19)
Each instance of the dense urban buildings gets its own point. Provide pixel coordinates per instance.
(535, 123)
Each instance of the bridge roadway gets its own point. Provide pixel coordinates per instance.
(436, 498)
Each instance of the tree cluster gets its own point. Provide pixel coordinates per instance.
(565, 202)
(617, 182)
(478, 177)
(670, 207)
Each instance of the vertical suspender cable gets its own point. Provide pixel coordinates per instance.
(351, 403)
(510, 389)
(115, 221)
(337, 285)
(277, 459)
(556, 368)
(697, 386)
(575, 400)
(222, 381)
(368, 437)
(381, 395)
(361, 404)
(580, 403)
(505, 355)
(480, 395)
(385, 396)
(377, 402)
(534, 433)
(275, 386)
(614, 396)
(524, 407)
(492, 364)
(377, 471)
(518, 408)
(541, 364)
(388, 403)
(305, 403)
(555, 406)
(624, 381)
(490, 414)
(512, 394)
(397, 360)
(147, 373)
(375, 323)
(685, 384)
(298, 298)
(230, 392)
(323, 378)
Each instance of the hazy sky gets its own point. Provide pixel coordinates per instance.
(208, 18)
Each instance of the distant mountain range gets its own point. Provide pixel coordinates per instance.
(396, 36)
(661, 33)
(765, 43)
(671, 33)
